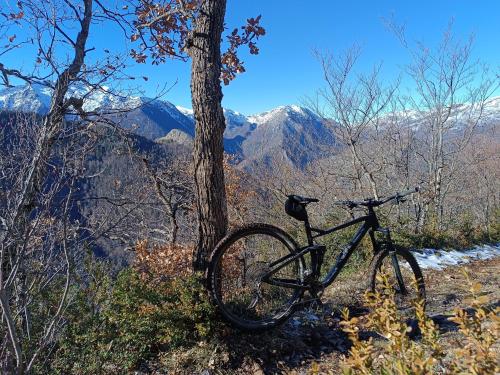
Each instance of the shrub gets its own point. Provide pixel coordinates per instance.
(494, 227)
(463, 232)
(476, 354)
(158, 262)
(120, 325)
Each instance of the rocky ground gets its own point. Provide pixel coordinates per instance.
(312, 341)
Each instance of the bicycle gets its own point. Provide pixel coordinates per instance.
(257, 273)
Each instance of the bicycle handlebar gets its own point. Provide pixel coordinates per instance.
(371, 202)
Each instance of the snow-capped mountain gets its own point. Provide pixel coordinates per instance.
(237, 124)
(36, 98)
(459, 117)
(185, 111)
(150, 118)
(289, 133)
(32, 99)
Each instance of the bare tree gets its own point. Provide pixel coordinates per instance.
(452, 91)
(353, 105)
(39, 253)
(18, 223)
(174, 187)
(44, 156)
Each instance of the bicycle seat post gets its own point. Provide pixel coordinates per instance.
(307, 228)
(374, 220)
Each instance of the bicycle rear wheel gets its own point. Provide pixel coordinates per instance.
(235, 277)
(404, 276)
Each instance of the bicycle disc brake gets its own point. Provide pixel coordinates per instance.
(253, 278)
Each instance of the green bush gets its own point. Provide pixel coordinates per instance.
(461, 236)
(117, 326)
(461, 233)
(494, 228)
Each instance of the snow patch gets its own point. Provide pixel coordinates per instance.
(185, 111)
(440, 259)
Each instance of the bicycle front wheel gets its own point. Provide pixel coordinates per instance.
(236, 277)
(403, 276)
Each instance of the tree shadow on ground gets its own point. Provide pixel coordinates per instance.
(308, 336)
(446, 325)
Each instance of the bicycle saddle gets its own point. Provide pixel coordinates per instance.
(295, 206)
(302, 200)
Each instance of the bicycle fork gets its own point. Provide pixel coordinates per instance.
(394, 259)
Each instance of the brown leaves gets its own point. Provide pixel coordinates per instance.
(164, 30)
(474, 353)
(481, 330)
(239, 196)
(139, 57)
(160, 262)
(16, 16)
(231, 64)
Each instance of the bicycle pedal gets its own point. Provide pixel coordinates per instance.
(317, 303)
(315, 297)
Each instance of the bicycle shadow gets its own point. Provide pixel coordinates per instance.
(278, 352)
(446, 325)
(308, 336)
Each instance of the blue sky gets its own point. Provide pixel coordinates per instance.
(286, 71)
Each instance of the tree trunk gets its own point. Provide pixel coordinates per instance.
(175, 224)
(210, 124)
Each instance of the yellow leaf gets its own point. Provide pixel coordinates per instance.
(482, 300)
(476, 287)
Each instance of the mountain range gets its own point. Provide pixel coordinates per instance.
(287, 134)
(290, 134)
(161, 132)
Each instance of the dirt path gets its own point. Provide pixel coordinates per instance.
(313, 337)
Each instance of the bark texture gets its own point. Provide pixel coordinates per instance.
(210, 124)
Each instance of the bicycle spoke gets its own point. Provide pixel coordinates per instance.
(246, 286)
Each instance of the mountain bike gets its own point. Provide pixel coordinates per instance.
(258, 275)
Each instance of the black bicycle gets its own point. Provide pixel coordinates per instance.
(258, 274)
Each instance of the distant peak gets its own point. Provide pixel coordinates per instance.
(288, 110)
(185, 111)
(177, 136)
(292, 107)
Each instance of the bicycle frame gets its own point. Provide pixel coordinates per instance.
(370, 225)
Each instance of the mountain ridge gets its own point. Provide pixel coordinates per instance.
(257, 138)
(290, 133)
